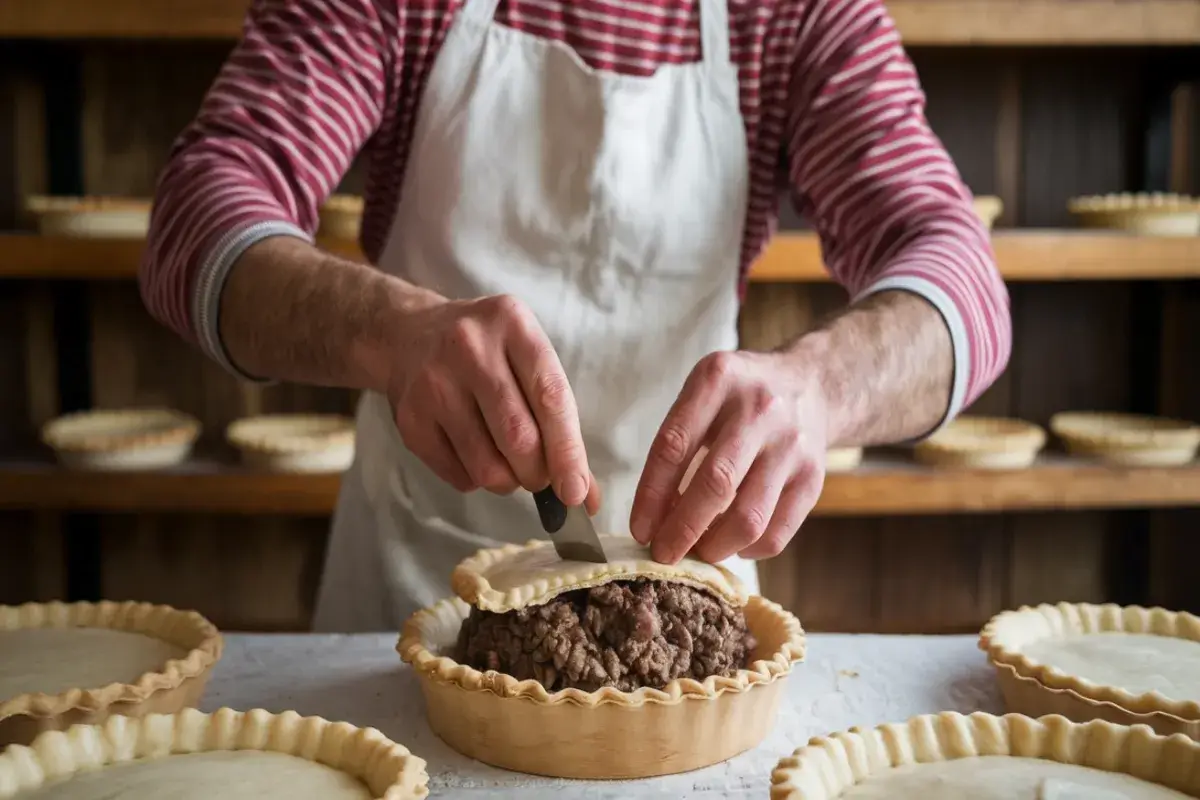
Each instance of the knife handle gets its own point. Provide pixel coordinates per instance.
(550, 509)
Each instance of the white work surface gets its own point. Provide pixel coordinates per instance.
(844, 681)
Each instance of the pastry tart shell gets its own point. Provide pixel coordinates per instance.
(1127, 439)
(179, 684)
(1146, 214)
(843, 459)
(606, 734)
(388, 769)
(294, 442)
(127, 439)
(1030, 687)
(829, 765)
(982, 443)
(341, 217)
(92, 217)
(988, 208)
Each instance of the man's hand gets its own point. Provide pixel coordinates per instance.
(765, 432)
(481, 397)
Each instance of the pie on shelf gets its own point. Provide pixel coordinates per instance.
(231, 755)
(988, 208)
(295, 442)
(340, 217)
(62, 664)
(843, 459)
(949, 756)
(1149, 214)
(128, 439)
(621, 670)
(94, 217)
(982, 443)
(1127, 439)
(1124, 664)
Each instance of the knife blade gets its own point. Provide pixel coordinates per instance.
(570, 529)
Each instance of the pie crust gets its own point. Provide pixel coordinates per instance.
(829, 766)
(1154, 214)
(519, 725)
(988, 208)
(1127, 439)
(843, 459)
(129, 439)
(295, 442)
(388, 769)
(982, 443)
(178, 684)
(95, 217)
(341, 217)
(1033, 687)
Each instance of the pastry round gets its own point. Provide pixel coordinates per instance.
(948, 756)
(1125, 664)
(982, 443)
(295, 442)
(64, 664)
(126, 439)
(228, 754)
(1148, 214)
(93, 217)
(340, 217)
(1127, 439)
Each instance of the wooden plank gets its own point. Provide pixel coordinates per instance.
(1024, 256)
(122, 19)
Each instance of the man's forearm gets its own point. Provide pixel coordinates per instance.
(291, 312)
(885, 367)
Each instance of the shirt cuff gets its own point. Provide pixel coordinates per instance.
(960, 342)
(210, 282)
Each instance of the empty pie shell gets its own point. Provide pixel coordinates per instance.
(843, 459)
(1032, 687)
(94, 217)
(988, 208)
(341, 217)
(829, 766)
(982, 443)
(389, 770)
(1154, 214)
(1127, 439)
(128, 439)
(295, 442)
(179, 683)
(608, 733)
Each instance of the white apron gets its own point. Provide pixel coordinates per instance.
(613, 207)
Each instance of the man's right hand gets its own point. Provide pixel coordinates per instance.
(480, 396)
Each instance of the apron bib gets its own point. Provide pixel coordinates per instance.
(613, 207)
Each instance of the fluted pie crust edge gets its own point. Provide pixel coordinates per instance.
(984, 442)
(829, 765)
(388, 769)
(1031, 687)
(112, 430)
(179, 683)
(1127, 438)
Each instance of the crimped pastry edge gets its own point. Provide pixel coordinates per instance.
(62, 433)
(268, 433)
(1109, 430)
(446, 617)
(828, 765)
(390, 771)
(470, 578)
(1004, 634)
(1124, 202)
(985, 434)
(184, 628)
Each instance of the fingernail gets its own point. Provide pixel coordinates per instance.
(640, 528)
(574, 490)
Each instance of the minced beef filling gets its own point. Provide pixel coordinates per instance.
(626, 634)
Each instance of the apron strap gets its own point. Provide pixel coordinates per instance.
(714, 31)
(479, 10)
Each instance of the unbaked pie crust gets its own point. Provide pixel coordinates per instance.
(988, 208)
(1155, 214)
(1013, 757)
(165, 687)
(295, 442)
(128, 439)
(1127, 439)
(982, 443)
(228, 754)
(519, 725)
(93, 217)
(341, 217)
(1125, 664)
(843, 459)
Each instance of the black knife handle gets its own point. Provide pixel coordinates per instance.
(551, 510)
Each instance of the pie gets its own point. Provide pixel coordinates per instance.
(64, 664)
(130, 439)
(1126, 664)
(1127, 439)
(340, 217)
(295, 442)
(949, 756)
(843, 459)
(982, 443)
(620, 670)
(988, 208)
(1148, 214)
(229, 754)
(94, 217)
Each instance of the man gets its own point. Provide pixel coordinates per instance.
(563, 201)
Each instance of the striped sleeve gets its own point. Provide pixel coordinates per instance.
(885, 197)
(296, 99)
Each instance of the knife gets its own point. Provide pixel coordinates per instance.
(570, 529)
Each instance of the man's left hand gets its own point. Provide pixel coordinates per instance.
(764, 424)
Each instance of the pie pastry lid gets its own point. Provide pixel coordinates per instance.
(606, 734)
(1127, 439)
(340, 217)
(180, 683)
(122, 439)
(92, 217)
(1147, 214)
(829, 765)
(988, 208)
(982, 443)
(843, 459)
(388, 769)
(295, 442)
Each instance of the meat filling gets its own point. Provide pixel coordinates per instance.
(625, 634)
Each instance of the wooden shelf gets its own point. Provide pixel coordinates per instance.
(1039, 255)
(921, 22)
(882, 486)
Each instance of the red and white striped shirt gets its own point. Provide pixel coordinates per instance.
(831, 103)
